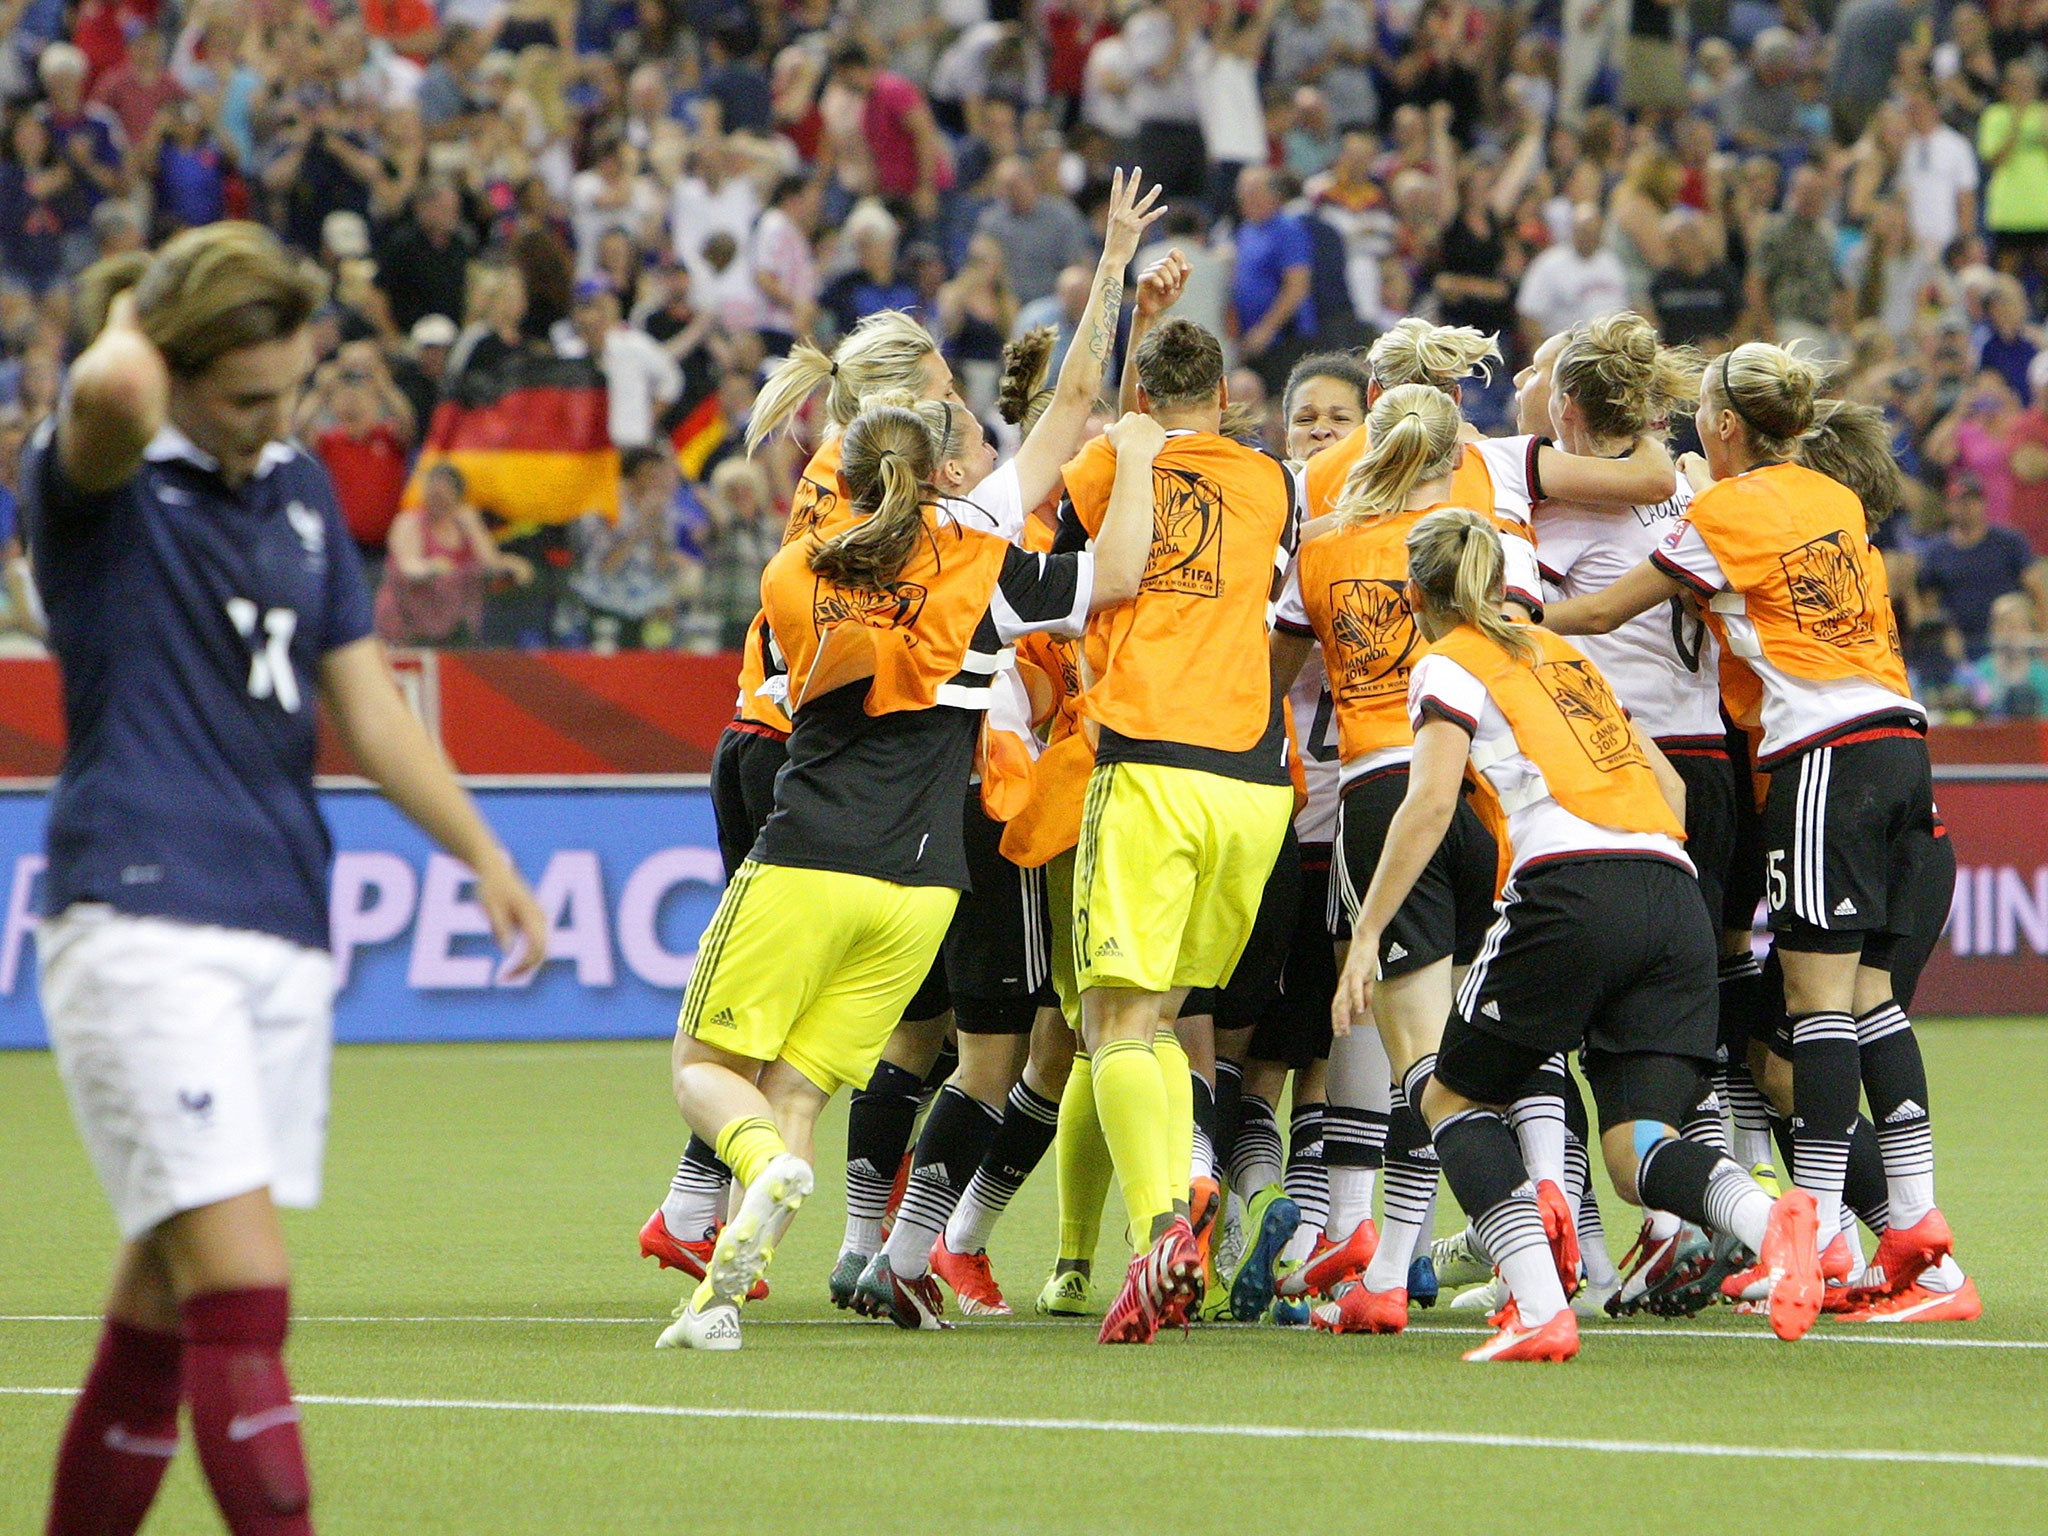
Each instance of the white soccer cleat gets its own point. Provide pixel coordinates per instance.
(716, 1327)
(1488, 1298)
(1457, 1264)
(748, 1241)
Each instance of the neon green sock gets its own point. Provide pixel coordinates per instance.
(1130, 1098)
(747, 1146)
(1081, 1160)
(1177, 1076)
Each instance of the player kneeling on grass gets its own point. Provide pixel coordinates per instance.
(892, 631)
(1595, 822)
(201, 588)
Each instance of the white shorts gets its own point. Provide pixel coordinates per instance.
(196, 1058)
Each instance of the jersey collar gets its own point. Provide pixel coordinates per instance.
(172, 446)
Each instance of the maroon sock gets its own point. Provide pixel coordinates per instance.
(243, 1417)
(122, 1435)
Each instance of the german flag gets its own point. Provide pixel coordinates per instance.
(531, 439)
(698, 435)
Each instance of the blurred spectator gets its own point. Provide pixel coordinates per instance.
(1063, 309)
(1477, 258)
(906, 160)
(1269, 294)
(21, 621)
(1695, 300)
(1793, 278)
(424, 261)
(1233, 114)
(720, 199)
(1937, 174)
(629, 573)
(1165, 94)
(1866, 39)
(639, 375)
(873, 283)
(35, 183)
(1635, 214)
(1571, 283)
(420, 368)
(139, 87)
(2012, 138)
(2010, 680)
(1971, 564)
(362, 428)
(2004, 342)
(442, 562)
(1761, 109)
(743, 534)
(612, 194)
(784, 264)
(188, 169)
(1328, 44)
(85, 139)
(977, 312)
(733, 80)
(1038, 233)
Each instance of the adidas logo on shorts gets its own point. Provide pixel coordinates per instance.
(1491, 1010)
(1396, 952)
(1845, 908)
(1109, 949)
(722, 1019)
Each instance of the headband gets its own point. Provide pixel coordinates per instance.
(1734, 404)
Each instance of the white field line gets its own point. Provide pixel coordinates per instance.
(1622, 1331)
(1340, 1432)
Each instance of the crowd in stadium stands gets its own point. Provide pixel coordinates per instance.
(663, 194)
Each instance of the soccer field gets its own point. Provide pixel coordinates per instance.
(475, 1331)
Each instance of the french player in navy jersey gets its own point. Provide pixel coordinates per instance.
(202, 591)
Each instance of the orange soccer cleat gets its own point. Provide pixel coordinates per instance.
(672, 1252)
(971, 1280)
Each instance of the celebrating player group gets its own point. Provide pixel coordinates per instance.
(1078, 802)
(1073, 803)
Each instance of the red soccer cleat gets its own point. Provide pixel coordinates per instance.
(1562, 1232)
(971, 1280)
(1917, 1304)
(1338, 1262)
(896, 1190)
(1159, 1289)
(1357, 1309)
(1903, 1253)
(1837, 1265)
(1556, 1340)
(1791, 1261)
(1205, 1199)
(672, 1252)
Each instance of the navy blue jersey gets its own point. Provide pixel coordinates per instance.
(190, 620)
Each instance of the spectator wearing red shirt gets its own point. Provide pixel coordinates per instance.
(361, 427)
(409, 26)
(136, 91)
(1072, 28)
(911, 163)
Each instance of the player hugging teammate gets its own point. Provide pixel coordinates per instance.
(1515, 849)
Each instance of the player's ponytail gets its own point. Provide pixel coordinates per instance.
(1851, 443)
(1413, 351)
(1622, 379)
(1454, 557)
(885, 351)
(1413, 432)
(887, 459)
(1022, 396)
(1772, 391)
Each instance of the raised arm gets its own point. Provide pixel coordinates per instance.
(1159, 289)
(1599, 613)
(1125, 540)
(1057, 435)
(119, 390)
(394, 750)
(1646, 477)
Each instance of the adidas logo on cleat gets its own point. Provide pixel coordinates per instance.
(1845, 908)
(1490, 1009)
(724, 1324)
(1396, 952)
(1907, 1110)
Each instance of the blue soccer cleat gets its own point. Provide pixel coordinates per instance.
(1422, 1286)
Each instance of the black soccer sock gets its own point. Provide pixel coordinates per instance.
(1409, 1182)
(1895, 1078)
(1864, 1189)
(1020, 1145)
(956, 1137)
(1256, 1159)
(1482, 1162)
(1307, 1180)
(1205, 1127)
(1229, 1119)
(879, 1122)
(696, 1195)
(1691, 1180)
(1826, 1094)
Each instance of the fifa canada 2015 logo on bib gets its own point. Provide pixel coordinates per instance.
(1187, 535)
(1829, 601)
(895, 606)
(1375, 637)
(1588, 705)
(810, 507)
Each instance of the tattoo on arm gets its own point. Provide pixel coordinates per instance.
(1103, 336)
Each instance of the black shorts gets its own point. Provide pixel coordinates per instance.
(1634, 1085)
(1844, 826)
(1451, 906)
(743, 769)
(1930, 891)
(995, 968)
(1614, 953)
(1744, 889)
(1710, 797)
(1295, 1026)
(1243, 1001)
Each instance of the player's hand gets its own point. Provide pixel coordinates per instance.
(1695, 470)
(1161, 284)
(1129, 217)
(1136, 435)
(1353, 1003)
(517, 922)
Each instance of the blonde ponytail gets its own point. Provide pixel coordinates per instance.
(1415, 352)
(885, 351)
(1772, 391)
(1621, 377)
(1454, 557)
(887, 460)
(1413, 435)
(1851, 443)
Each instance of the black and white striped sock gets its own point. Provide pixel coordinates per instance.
(879, 1123)
(1826, 1094)
(1409, 1185)
(1354, 1150)
(956, 1137)
(1029, 1122)
(1482, 1162)
(1307, 1180)
(1895, 1078)
(696, 1195)
(1257, 1160)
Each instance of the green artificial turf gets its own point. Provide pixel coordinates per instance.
(477, 1246)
